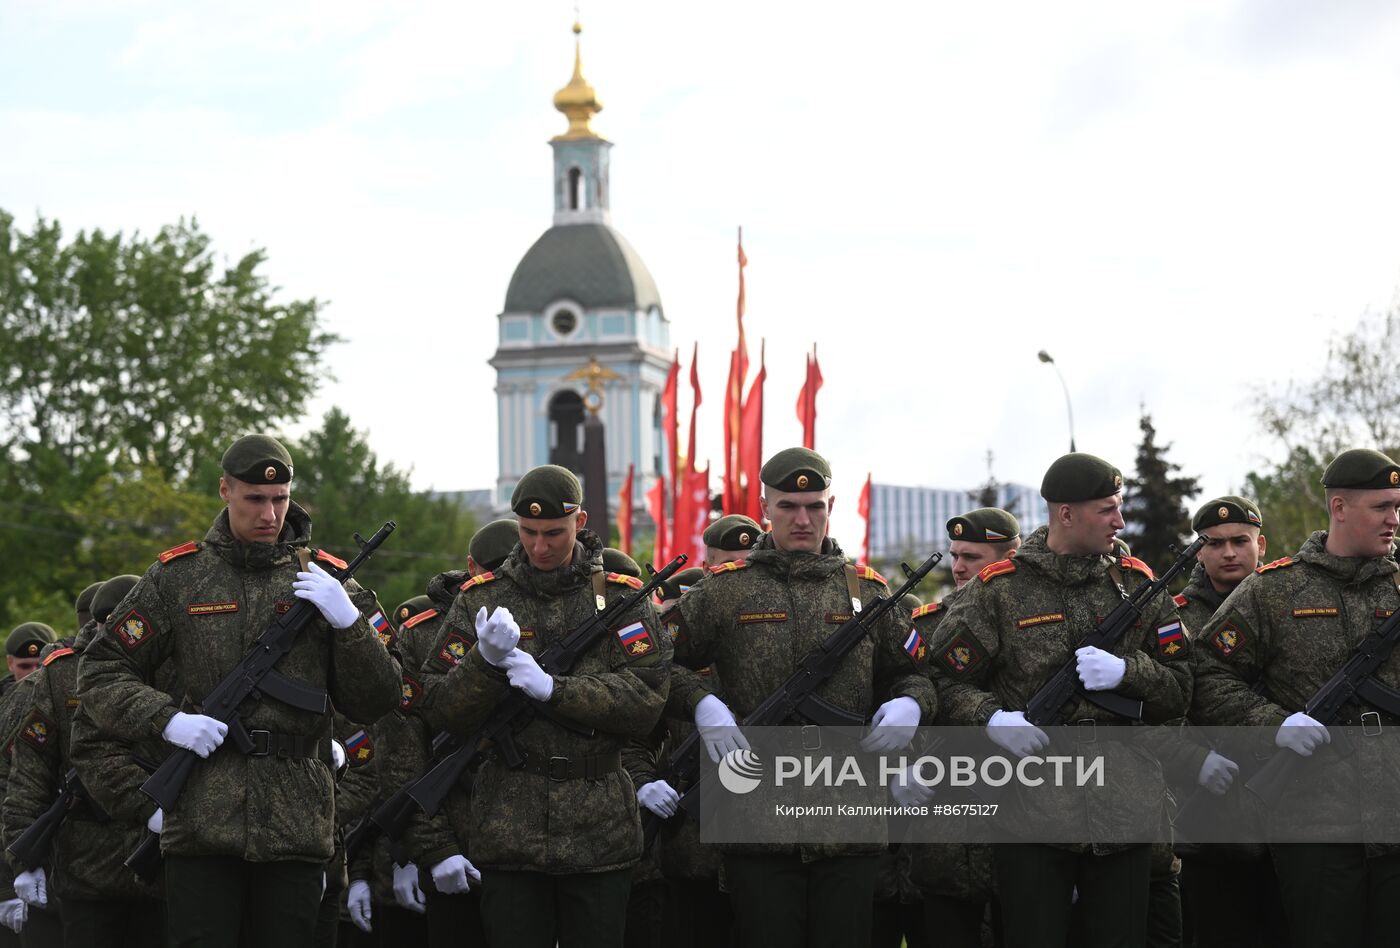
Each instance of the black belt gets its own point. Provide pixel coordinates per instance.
(268, 744)
(589, 767)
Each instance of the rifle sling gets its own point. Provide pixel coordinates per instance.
(853, 588)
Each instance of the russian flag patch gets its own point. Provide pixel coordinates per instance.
(381, 628)
(914, 646)
(358, 747)
(1169, 638)
(635, 640)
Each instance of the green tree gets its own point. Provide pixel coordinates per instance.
(1289, 495)
(346, 489)
(1154, 503)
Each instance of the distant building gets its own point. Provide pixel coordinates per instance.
(912, 521)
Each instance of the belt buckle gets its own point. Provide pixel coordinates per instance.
(1086, 724)
(558, 768)
(811, 737)
(262, 742)
(1370, 723)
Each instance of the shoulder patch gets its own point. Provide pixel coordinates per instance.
(409, 692)
(477, 580)
(423, 616)
(38, 730)
(865, 572)
(57, 654)
(927, 610)
(335, 561)
(178, 551)
(729, 567)
(999, 568)
(1132, 562)
(962, 655)
(455, 648)
(635, 640)
(132, 630)
(1276, 564)
(620, 579)
(359, 749)
(1181, 601)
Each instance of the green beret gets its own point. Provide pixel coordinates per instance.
(796, 469)
(616, 561)
(492, 543)
(112, 592)
(1227, 509)
(258, 459)
(732, 533)
(1361, 469)
(912, 601)
(984, 525)
(677, 585)
(1080, 476)
(411, 607)
(28, 639)
(83, 604)
(547, 492)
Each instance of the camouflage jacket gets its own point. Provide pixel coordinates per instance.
(521, 818)
(1197, 602)
(1010, 629)
(87, 853)
(201, 606)
(1278, 637)
(14, 706)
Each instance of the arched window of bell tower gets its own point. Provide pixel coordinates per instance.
(575, 189)
(566, 430)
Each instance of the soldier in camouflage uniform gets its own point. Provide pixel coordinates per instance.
(252, 832)
(22, 648)
(1002, 637)
(82, 605)
(1286, 629)
(102, 905)
(751, 620)
(555, 839)
(956, 878)
(730, 538)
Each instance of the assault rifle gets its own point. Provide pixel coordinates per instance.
(33, 845)
(1354, 681)
(430, 790)
(1047, 704)
(796, 697)
(254, 677)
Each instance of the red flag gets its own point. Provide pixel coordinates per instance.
(695, 403)
(734, 497)
(624, 514)
(670, 422)
(863, 508)
(751, 442)
(693, 516)
(656, 506)
(807, 401)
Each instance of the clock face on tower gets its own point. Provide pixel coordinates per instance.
(564, 322)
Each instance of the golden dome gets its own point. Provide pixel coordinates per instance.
(577, 100)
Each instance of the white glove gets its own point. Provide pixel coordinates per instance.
(1302, 734)
(450, 875)
(1217, 773)
(357, 903)
(525, 673)
(907, 790)
(406, 890)
(156, 822)
(497, 636)
(1100, 670)
(893, 725)
(659, 797)
(1011, 730)
(325, 592)
(13, 914)
(196, 732)
(31, 886)
(718, 729)
(337, 755)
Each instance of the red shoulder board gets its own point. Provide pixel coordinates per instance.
(57, 653)
(632, 581)
(729, 567)
(335, 561)
(865, 572)
(1285, 561)
(999, 568)
(423, 616)
(1132, 562)
(1180, 600)
(176, 551)
(927, 610)
(477, 580)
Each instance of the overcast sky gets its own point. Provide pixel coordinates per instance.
(1180, 201)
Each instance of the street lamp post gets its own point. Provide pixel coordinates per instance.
(1069, 408)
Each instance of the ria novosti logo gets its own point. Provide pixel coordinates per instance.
(741, 771)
